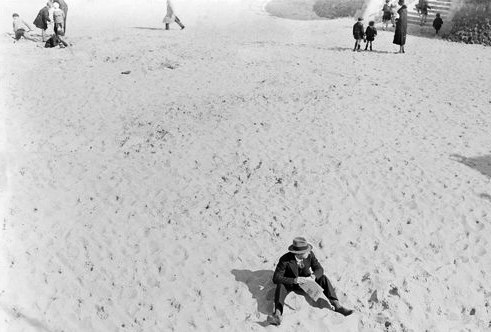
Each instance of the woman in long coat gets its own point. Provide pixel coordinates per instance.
(42, 19)
(401, 27)
(170, 16)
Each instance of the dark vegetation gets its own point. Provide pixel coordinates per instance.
(472, 23)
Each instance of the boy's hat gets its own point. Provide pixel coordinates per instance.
(56, 5)
(15, 15)
(300, 246)
(360, 18)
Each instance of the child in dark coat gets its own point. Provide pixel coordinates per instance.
(437, 23)
(43, 19)
(370, 34)
(358, 33)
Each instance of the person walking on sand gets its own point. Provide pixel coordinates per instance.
(401, 27)
(437, 23)
(21, 28)
(370, 34)
(64, 9)
(42, 19)
(387, 15)
(358, 33)
(298, 267)
(170, 16)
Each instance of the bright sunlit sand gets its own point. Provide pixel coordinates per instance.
(161, 199)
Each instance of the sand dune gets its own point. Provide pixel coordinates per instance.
(161, 200)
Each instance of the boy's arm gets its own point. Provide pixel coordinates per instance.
(279, 274)
(316, 266)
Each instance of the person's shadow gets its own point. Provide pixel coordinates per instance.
(262, 288)
(260, 284)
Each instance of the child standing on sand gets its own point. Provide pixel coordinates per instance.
(370, 34)
(437, 23)
(358, 33)
(59, 20)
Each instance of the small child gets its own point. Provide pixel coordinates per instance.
(58, 19)
(358, 33)
(437, 23)
(21, 28)
(370, 34)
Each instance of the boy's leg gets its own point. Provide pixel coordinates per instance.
(356, 44)
(370, 45)
(166, 26)
(29, 37)
(366, 46)
(279, 297)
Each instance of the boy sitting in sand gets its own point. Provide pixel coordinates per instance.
(296, 268)
(21, 28)
(358, 33)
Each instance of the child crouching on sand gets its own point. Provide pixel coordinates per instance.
(370, 34)
(358, 33)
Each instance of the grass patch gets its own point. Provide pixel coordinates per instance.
(337, 8)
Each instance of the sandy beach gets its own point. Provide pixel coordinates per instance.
(161, 199)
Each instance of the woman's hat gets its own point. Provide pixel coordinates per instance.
(300, 246)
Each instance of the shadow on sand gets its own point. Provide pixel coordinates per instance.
(260, 284)
(36, 324)
(480, 164)
(149, 28)
(338, 48)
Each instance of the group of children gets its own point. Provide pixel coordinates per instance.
(51, 13)
(361, 34)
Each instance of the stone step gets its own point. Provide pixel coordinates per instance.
(415, 15)
(433, 8)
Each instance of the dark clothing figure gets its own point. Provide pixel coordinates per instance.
(54, 41)
(370, 34)
(286, 272)
(358, 33)
(401, 27)
(437, 23)
(64, 8)
(387, 13)
(42, 19)
(358, 30)
(295, 268)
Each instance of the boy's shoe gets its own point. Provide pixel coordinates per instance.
(340, 309)
(275, 319)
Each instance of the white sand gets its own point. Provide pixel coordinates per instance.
(161, 200)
